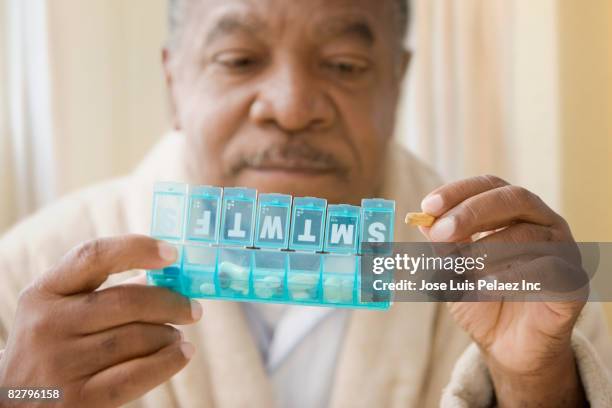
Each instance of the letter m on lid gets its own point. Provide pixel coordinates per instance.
(342, 229)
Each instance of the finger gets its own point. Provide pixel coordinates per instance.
(128, 381)
(123, 304)
(425, 232)
(527, 241)
(522, 233)
(86, 267)
(449, 195)
(491, 210)
(102, 350)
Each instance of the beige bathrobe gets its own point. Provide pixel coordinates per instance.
(411, 356)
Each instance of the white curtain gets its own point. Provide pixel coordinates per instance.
(81, 95)
(456, 114)
(26, 141)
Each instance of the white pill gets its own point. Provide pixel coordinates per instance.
(235, 277)
(264, 293)
(301, 295)
(332, 282)
(266, 287)
(235, 272)
(207, 289)
(338, 290)
(305, 281)
(273, 282)
(240, 287)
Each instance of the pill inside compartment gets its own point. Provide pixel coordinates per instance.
(367, 293)
(234, 271)
(304, 277)
(199, 265)
(269, 269)
(169, 277)
(339, 282)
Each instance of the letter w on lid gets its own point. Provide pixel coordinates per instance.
(342, 228)
(273, 221)
(238, 216)
(307, 224)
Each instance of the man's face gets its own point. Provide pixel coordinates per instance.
(286, 96)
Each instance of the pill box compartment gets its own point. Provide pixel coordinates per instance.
(304, 277)
(269, 274)
(199, 267)
(169, 277)
(339, 283)
(234, 271)
(366, 278)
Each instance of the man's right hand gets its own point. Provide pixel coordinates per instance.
(102, 348)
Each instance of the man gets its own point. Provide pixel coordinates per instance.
(299, 98)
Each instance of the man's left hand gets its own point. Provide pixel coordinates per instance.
(527, 345)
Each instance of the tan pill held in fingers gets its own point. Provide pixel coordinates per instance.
(420, 219)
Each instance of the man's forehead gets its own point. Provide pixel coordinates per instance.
(360, 19)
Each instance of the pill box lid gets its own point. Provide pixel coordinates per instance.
(170, 187)
(310, 202)
(378, 203)
(240, 193)
(206, 191)
(343, 209)
(275, 199)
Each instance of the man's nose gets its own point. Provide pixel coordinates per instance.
(293, 100)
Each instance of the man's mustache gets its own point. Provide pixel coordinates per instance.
(300, 156)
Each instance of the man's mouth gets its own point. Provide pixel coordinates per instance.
(292, 160)
(303, 167)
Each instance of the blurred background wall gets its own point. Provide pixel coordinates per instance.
(517, 88)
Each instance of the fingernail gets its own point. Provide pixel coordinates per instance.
(433, 204)
(167, 252)
(187, 349)
(196, 310)
(443, 229)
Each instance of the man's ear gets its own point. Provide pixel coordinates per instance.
(170, 89)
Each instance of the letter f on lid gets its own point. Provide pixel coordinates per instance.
(204, 214)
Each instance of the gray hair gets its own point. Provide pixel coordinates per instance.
(176, 12)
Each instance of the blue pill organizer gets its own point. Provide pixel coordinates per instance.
(238, 246)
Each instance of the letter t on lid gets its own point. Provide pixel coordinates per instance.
(307, 224)
(238, 216)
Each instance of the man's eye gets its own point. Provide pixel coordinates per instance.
(347, 67)
(235, 62)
